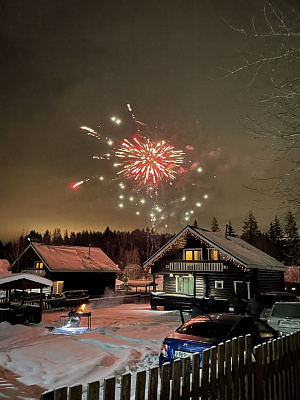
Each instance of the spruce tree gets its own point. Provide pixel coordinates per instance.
(215, 225)
(291, 236)
(250, 229)
(230, 230)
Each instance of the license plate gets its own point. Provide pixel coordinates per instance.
(182, 354)
(289, 324)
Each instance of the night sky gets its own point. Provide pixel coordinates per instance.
(67, 64)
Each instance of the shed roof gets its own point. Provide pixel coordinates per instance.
(235, 248)
(23, 281)
(73, 258)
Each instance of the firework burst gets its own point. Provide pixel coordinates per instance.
(148, 162)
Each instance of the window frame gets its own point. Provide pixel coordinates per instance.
(200, 250)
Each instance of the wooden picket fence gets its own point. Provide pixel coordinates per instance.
(230, 371)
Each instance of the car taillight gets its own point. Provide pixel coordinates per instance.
(164, 350)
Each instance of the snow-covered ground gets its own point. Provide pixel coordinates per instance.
(123, 338)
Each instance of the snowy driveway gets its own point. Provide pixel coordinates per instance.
(123, 338)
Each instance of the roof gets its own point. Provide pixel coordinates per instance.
(234, 248)
(23, 281)
(73, 258)
(4, 265)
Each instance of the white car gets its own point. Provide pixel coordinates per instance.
(285, 317)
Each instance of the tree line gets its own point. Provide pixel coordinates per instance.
(280, 241)
(123, 248)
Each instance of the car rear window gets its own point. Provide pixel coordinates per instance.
(286, 310)
(206, 329)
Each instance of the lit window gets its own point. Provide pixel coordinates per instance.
(193, 255)
(213, 254)
(58, 287)
(185, 284)
(38, 265)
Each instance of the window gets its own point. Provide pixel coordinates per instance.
(38, 265)
(193, 255)
(219, 284)
(242, 288)
(58, 287)
(213, 254)
(185, 284)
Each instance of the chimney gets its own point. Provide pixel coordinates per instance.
(226, 231)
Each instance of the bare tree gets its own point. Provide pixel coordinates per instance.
(273, 68)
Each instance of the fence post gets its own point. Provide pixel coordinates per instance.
(235, 368)
(176, 379)
(205, 374)
(49, 395)
(221, 371)
(196, 376)
(153, 383)
(61, 393)
(228, 370)
(258, 373)
(125, 387)
(186, 378)
(213, 373)
(248, 348)
(75, 392)
(165, 381)
(109, 388)
(93, 390)
(266, 372)
(140, 385)
(241, 356)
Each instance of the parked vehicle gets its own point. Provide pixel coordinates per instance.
(268, 299)
(186, 302)
(209, 330)
(285, 317)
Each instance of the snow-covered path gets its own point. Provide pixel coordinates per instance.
(123, 338)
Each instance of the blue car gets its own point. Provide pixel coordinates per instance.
(204, 331)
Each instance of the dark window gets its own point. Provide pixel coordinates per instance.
(282, 310)
(206, 329)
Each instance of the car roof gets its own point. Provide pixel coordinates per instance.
(297, 303)
(220, 318)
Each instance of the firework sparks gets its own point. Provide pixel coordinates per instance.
(153, 169)
(148, 162)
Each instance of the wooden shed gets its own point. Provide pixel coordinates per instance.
(69, 267)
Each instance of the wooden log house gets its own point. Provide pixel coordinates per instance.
(201, 263)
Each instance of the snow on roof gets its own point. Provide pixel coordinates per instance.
(23, 281)
(240, 251)
(4, 265)
(75, 258)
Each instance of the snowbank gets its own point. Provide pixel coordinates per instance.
(123, 338)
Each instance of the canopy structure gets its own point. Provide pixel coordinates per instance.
(140, 284)
(23, 281)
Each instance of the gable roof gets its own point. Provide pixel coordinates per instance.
(73, 258)
(23, 281)
(235, 248)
